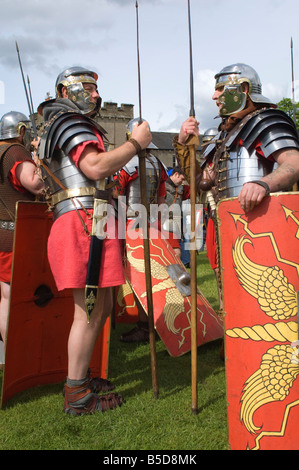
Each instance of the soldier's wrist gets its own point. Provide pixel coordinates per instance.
(262, 183)
(136, 144)
(177, 143)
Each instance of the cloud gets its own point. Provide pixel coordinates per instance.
(274, 92)
(204, 84)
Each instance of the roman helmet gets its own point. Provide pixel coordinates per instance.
(209, 134)
(73, 78)
(11, 124)
(131, 124)
(233, 97)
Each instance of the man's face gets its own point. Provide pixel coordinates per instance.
(177, 179)
(92, 90)
(217, 93)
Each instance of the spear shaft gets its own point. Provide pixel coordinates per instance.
(293, 92)
(31, 115)
(193, 143)
(147, 259)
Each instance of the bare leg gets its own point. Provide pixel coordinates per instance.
(4, 306)
(83, 335)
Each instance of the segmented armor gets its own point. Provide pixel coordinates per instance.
(235, 155)
(67, 187)
(153, 178)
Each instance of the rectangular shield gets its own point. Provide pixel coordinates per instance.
(260, 280)
(40, 317)
(171, 294)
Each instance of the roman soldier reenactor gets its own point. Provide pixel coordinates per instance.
(75, 161)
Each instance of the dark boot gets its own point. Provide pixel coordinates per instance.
(139, 334)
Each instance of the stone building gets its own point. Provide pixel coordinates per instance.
(114, 118)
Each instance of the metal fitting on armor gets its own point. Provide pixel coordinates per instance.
(233, 97)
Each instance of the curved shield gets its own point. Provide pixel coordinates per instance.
(40, 317)
(171, 293)
(125, 307)
(260, 275)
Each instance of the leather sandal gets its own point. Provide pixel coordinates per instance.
(139, 334)
(98, 384)
(80, 400)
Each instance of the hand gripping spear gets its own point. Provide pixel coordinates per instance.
(192, 143)
(147, 260)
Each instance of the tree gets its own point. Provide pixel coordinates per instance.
(286, 105)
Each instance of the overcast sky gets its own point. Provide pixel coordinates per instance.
(101, 34)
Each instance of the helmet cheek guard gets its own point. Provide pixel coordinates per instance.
(81, 98)
(233, 100)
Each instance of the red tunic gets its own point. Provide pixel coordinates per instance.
(124, 179)
(68, 246)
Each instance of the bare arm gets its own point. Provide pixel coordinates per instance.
(28, 175)
(98, 165)
(283, 177)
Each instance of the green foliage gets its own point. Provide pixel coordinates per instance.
(286, 105)
(34, 420)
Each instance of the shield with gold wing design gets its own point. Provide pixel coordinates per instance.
(40, 317)
(171, 294)
(125, 306)
(260, 281)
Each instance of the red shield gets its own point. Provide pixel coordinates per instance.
(171, 294)
(125, 307)
(40, 317)
(260, 274)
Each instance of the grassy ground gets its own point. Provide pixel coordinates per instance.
(33, 420)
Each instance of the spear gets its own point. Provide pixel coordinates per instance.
(193, 143)
(293, 93)
(31, 115)
(295, 186)
(147, 259)
(30, 96)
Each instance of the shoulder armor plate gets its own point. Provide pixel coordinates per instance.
(67, 130)
(272, 127)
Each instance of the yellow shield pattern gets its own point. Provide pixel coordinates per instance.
(260, 279)
(171, 294)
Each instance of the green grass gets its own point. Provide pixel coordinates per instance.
(34, 420)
